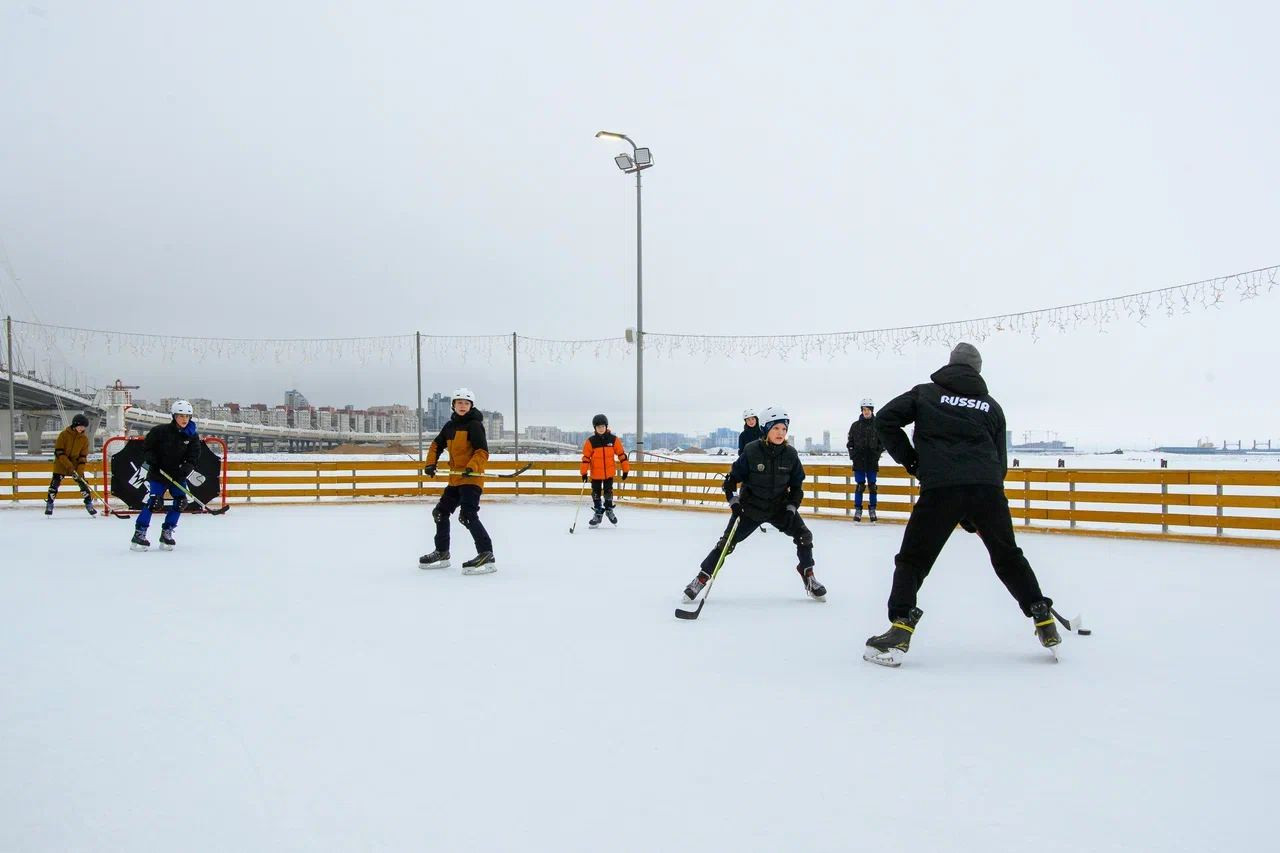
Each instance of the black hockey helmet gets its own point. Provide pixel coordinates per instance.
(80, 420)
(599, 420)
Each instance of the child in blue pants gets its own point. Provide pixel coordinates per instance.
(172, 451)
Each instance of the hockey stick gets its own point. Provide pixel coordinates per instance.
(581, 492)
(85, 485)
(204, 506)
(1072, 625)
(724, 552)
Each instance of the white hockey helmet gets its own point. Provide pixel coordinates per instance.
(181, 407)
(463, 394)
(749, 413)
(773, 415)
(867, 403)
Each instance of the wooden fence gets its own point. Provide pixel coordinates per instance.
(1230, 507)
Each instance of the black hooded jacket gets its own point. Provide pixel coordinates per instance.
(748, 435)
(171, 450)
(771, 477)
(864, 444)
(959, 435)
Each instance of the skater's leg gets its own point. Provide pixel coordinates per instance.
(153, 502)
(745, 528)
(791, 524)
(444, 509)
(470, 518)
(988, 508)
(597, 486)
(932, 520)
(871, 488)
(608, 493)
(175, 510)
(859, 477)
(55, 482)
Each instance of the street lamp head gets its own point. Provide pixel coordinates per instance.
(644, 158)
(625, 163)
(609, 134)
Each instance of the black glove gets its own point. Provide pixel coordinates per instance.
(624, 474)
(184, 472)
(585, 478)
(913, 466)
(429, 470)
(791, 509)
(467, 472)
(968, 526)
(735, 505)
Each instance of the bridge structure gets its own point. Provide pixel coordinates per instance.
(40, 409)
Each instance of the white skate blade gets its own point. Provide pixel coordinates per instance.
(442, 564)
(1053, 650)
(133, 547)
(486, 569)
(892, 657)
(164, 547)
(815, 597)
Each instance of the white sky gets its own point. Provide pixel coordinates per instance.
(306, 169)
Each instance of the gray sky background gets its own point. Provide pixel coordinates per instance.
(298, 169)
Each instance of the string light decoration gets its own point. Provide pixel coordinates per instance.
(1097, 314)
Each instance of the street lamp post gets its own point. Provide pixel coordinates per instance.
(637, 161)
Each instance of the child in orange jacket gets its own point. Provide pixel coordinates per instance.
(599, 453)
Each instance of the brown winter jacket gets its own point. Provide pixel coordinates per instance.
(465, 440)
(70, 452)
(598, 454)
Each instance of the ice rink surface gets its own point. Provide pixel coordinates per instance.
(289, 680)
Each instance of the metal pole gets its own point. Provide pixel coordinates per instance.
(418, 339)
(13, 438)
(639, 331)
(515, 390)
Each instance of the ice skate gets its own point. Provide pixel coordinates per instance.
(1046, 628)
(435, 560)
(139, 541)
(695, 586)
(889, 648)
(48, 507)
(871, 516)
(480, 564)
(167, 542)
(812, 588)
(596, 518)
(608, 513)
(857, 514)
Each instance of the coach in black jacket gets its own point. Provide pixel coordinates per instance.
(959, 458)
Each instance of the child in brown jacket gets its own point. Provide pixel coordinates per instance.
(70, 454)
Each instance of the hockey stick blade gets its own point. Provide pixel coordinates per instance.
(690, 614)
(1072, 625)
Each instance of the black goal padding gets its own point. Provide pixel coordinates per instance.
(128, 485)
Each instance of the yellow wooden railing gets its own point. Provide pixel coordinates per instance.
(1233, 507)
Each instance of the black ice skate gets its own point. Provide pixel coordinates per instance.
(139, 541)
(1046, 630)
(613, 519)
(695, 587)
(88, 506)
(596, 517)
(812, 588)
(166, 539)
(889, 648)
(48, 507)
(871, 515)
(435, 560)
(857, 514)
(480, 564)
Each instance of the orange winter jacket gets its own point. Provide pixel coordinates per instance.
(70, 452)
(468, 447)
(598, 454)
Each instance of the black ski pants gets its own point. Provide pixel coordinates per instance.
(468, 498)
(789, 523)
(599, 487)
(56, 483)
(933, 518)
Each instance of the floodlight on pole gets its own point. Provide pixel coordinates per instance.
(636, 162)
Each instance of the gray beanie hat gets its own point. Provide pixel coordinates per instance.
(966, 354)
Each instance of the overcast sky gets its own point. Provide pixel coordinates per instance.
(306, 169)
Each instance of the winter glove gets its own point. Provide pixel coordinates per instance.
(585, 478)
(467, 472)
(195, 478)
(735, 505)
(968, 526)
(184, 472)
(624, 474)
(913, 466)
(429, 470)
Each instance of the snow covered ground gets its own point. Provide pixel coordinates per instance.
(289, 680)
